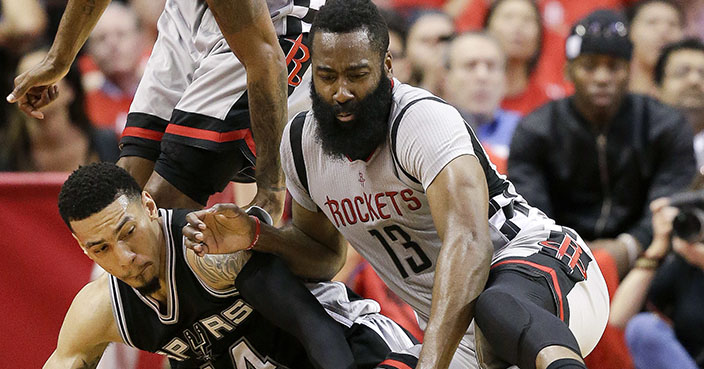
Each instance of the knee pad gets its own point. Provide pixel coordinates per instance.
(517, 330)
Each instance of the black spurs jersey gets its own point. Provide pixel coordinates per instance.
(200, 327)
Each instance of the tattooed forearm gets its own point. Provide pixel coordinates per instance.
(89, 7)
(220, 270)
(268, 109)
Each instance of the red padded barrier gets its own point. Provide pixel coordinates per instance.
(41, 270)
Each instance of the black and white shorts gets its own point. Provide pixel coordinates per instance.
(192, 103)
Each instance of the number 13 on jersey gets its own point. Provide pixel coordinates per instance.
(417, 262)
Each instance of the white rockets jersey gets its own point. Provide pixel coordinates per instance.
(380, 206)
(192, 17)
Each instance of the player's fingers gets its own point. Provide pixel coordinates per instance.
(43, 100)
(192, 233)
(227, 210)
(198, 247)
(201, 249)
(53, 92)
(24, 83)
(28, 109)
(20, 89)
(47, 97)
(37, 114)
(194, 219)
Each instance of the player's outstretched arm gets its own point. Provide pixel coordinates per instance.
(311, 246)
(458, 199)
(266, 283)
(247, 27)
(87, 329)
(35, 88)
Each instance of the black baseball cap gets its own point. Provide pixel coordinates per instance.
(602, 32)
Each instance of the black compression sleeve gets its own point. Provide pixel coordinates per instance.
(268, 285)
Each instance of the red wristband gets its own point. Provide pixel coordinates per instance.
(257, 231)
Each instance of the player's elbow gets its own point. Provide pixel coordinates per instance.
(328, 268)
(325, 266)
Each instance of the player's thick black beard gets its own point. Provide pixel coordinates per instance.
(150, 287)
(356, 139)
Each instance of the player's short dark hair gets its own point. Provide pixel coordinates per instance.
(91, 188)
(633, 10)
(686, 44)
(344, 16)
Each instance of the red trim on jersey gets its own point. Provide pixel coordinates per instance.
(543, 268)
(142, 133)
(395, 364)
(203, 134)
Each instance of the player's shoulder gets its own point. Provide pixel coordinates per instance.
(415, 110)
(91, 312)
(412, 102)
(96, 292)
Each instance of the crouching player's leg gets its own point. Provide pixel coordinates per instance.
(545, 310)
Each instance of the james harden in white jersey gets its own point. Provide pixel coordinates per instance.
(380, 207)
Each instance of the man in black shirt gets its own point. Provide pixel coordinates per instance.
(241, 310)
(594, 161)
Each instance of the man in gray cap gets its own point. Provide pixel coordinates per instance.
(594, 161)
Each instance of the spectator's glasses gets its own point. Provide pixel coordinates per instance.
(607, 31)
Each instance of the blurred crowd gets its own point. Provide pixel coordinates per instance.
(590, 133)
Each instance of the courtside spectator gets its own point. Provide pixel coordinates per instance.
(517, 26)
(426, 48)
(594, 161)
(476, 83)
(117, 50)
(679, 75)
(653, 24)
(148, 12)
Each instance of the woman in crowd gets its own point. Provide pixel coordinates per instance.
(517, 26)
(653, 24)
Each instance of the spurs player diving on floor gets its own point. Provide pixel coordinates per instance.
(218, 312)
(396, 172)
(213, 97)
